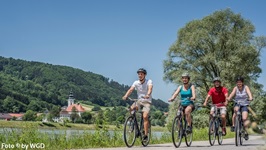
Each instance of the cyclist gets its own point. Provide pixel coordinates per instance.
(243, 95)
(219, 95)
(144, 90)
(188, 95)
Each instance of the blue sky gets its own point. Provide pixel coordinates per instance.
(112, 38)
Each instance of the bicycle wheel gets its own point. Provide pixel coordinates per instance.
(146, 142)
(212, 132)
(219, 132)
(177, 131)
(237, 131)
(130, 131)
(241, 134)
(189, 136)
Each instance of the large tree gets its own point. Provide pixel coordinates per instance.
(222, 44)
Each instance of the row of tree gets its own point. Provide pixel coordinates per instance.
(115, 116)
(223, 45)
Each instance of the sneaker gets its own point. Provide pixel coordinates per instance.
(232, 128)
(189, 129)
(246, 136)
(224, 131)
(145, 138)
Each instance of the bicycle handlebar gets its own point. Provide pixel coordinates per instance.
(131, 99)
(188, 98)
(240, 103)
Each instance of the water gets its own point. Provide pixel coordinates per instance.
(71, 132)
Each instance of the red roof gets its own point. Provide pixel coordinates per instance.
(16, 115)
(79, 108)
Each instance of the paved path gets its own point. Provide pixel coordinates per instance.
(254, 143)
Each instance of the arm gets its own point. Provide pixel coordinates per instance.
(232, 94)
(206, 100)
(193, 93)
(150, 86)
(128, 92)
(249, 93)
(226, 99)
(175, 94)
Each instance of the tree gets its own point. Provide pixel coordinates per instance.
(74, 116)
(221, 44)
(96, 108)
(86, 116)
(35, 106)
(55, 111)
(30, 116)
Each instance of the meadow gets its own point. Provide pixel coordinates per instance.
(101, 137)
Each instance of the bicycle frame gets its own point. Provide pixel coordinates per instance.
(137, 129)
(214, 125)
(180, 128)
(180, 114)
(239, 124)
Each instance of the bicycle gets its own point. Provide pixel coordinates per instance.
(132, 130)
(239, 125)
(179, 129)
(215, 127)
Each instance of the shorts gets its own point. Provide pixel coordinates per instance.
(191, 105)
(145, 105)
(243, 108)
(222, 109)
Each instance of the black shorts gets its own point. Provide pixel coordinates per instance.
(192, 106)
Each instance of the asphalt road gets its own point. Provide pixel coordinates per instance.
(254, 143)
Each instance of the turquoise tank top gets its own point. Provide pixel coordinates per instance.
(184, 95)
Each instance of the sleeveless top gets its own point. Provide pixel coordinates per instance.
(186, 94)
(242, 96)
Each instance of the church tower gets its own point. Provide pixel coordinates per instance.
(70, 99)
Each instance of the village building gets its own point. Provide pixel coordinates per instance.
(17, 116)
(66, 111)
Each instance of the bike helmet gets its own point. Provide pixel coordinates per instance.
(217, 79)
(186, 75)
(239, 78)
(142, 70)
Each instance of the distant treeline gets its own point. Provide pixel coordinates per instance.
(30, 85)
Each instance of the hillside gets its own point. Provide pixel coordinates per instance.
(34, 85)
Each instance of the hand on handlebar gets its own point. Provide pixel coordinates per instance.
(124, 97)
(226, 103)
(146, 97)
(170, 99)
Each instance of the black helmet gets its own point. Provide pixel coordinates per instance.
(217, 79)
(142, 70)
(239, 78)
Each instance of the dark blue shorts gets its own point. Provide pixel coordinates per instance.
(243, 108)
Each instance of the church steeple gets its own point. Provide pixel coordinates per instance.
(71, 98)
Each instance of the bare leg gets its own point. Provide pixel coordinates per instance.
(146, 122)
(188, 115)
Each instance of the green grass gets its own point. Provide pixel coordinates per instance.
(49, 125)
(100, 138)
(89, 107)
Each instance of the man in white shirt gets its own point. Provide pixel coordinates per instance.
(144, 91)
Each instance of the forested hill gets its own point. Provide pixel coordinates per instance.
(34, 85)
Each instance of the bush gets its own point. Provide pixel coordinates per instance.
(200, 120)
(79, 120)
(96, 108)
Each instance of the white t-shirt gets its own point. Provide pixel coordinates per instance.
(142, 89)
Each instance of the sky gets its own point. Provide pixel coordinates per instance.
(110, 37)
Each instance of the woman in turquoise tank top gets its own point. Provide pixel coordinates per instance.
(188, 95)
